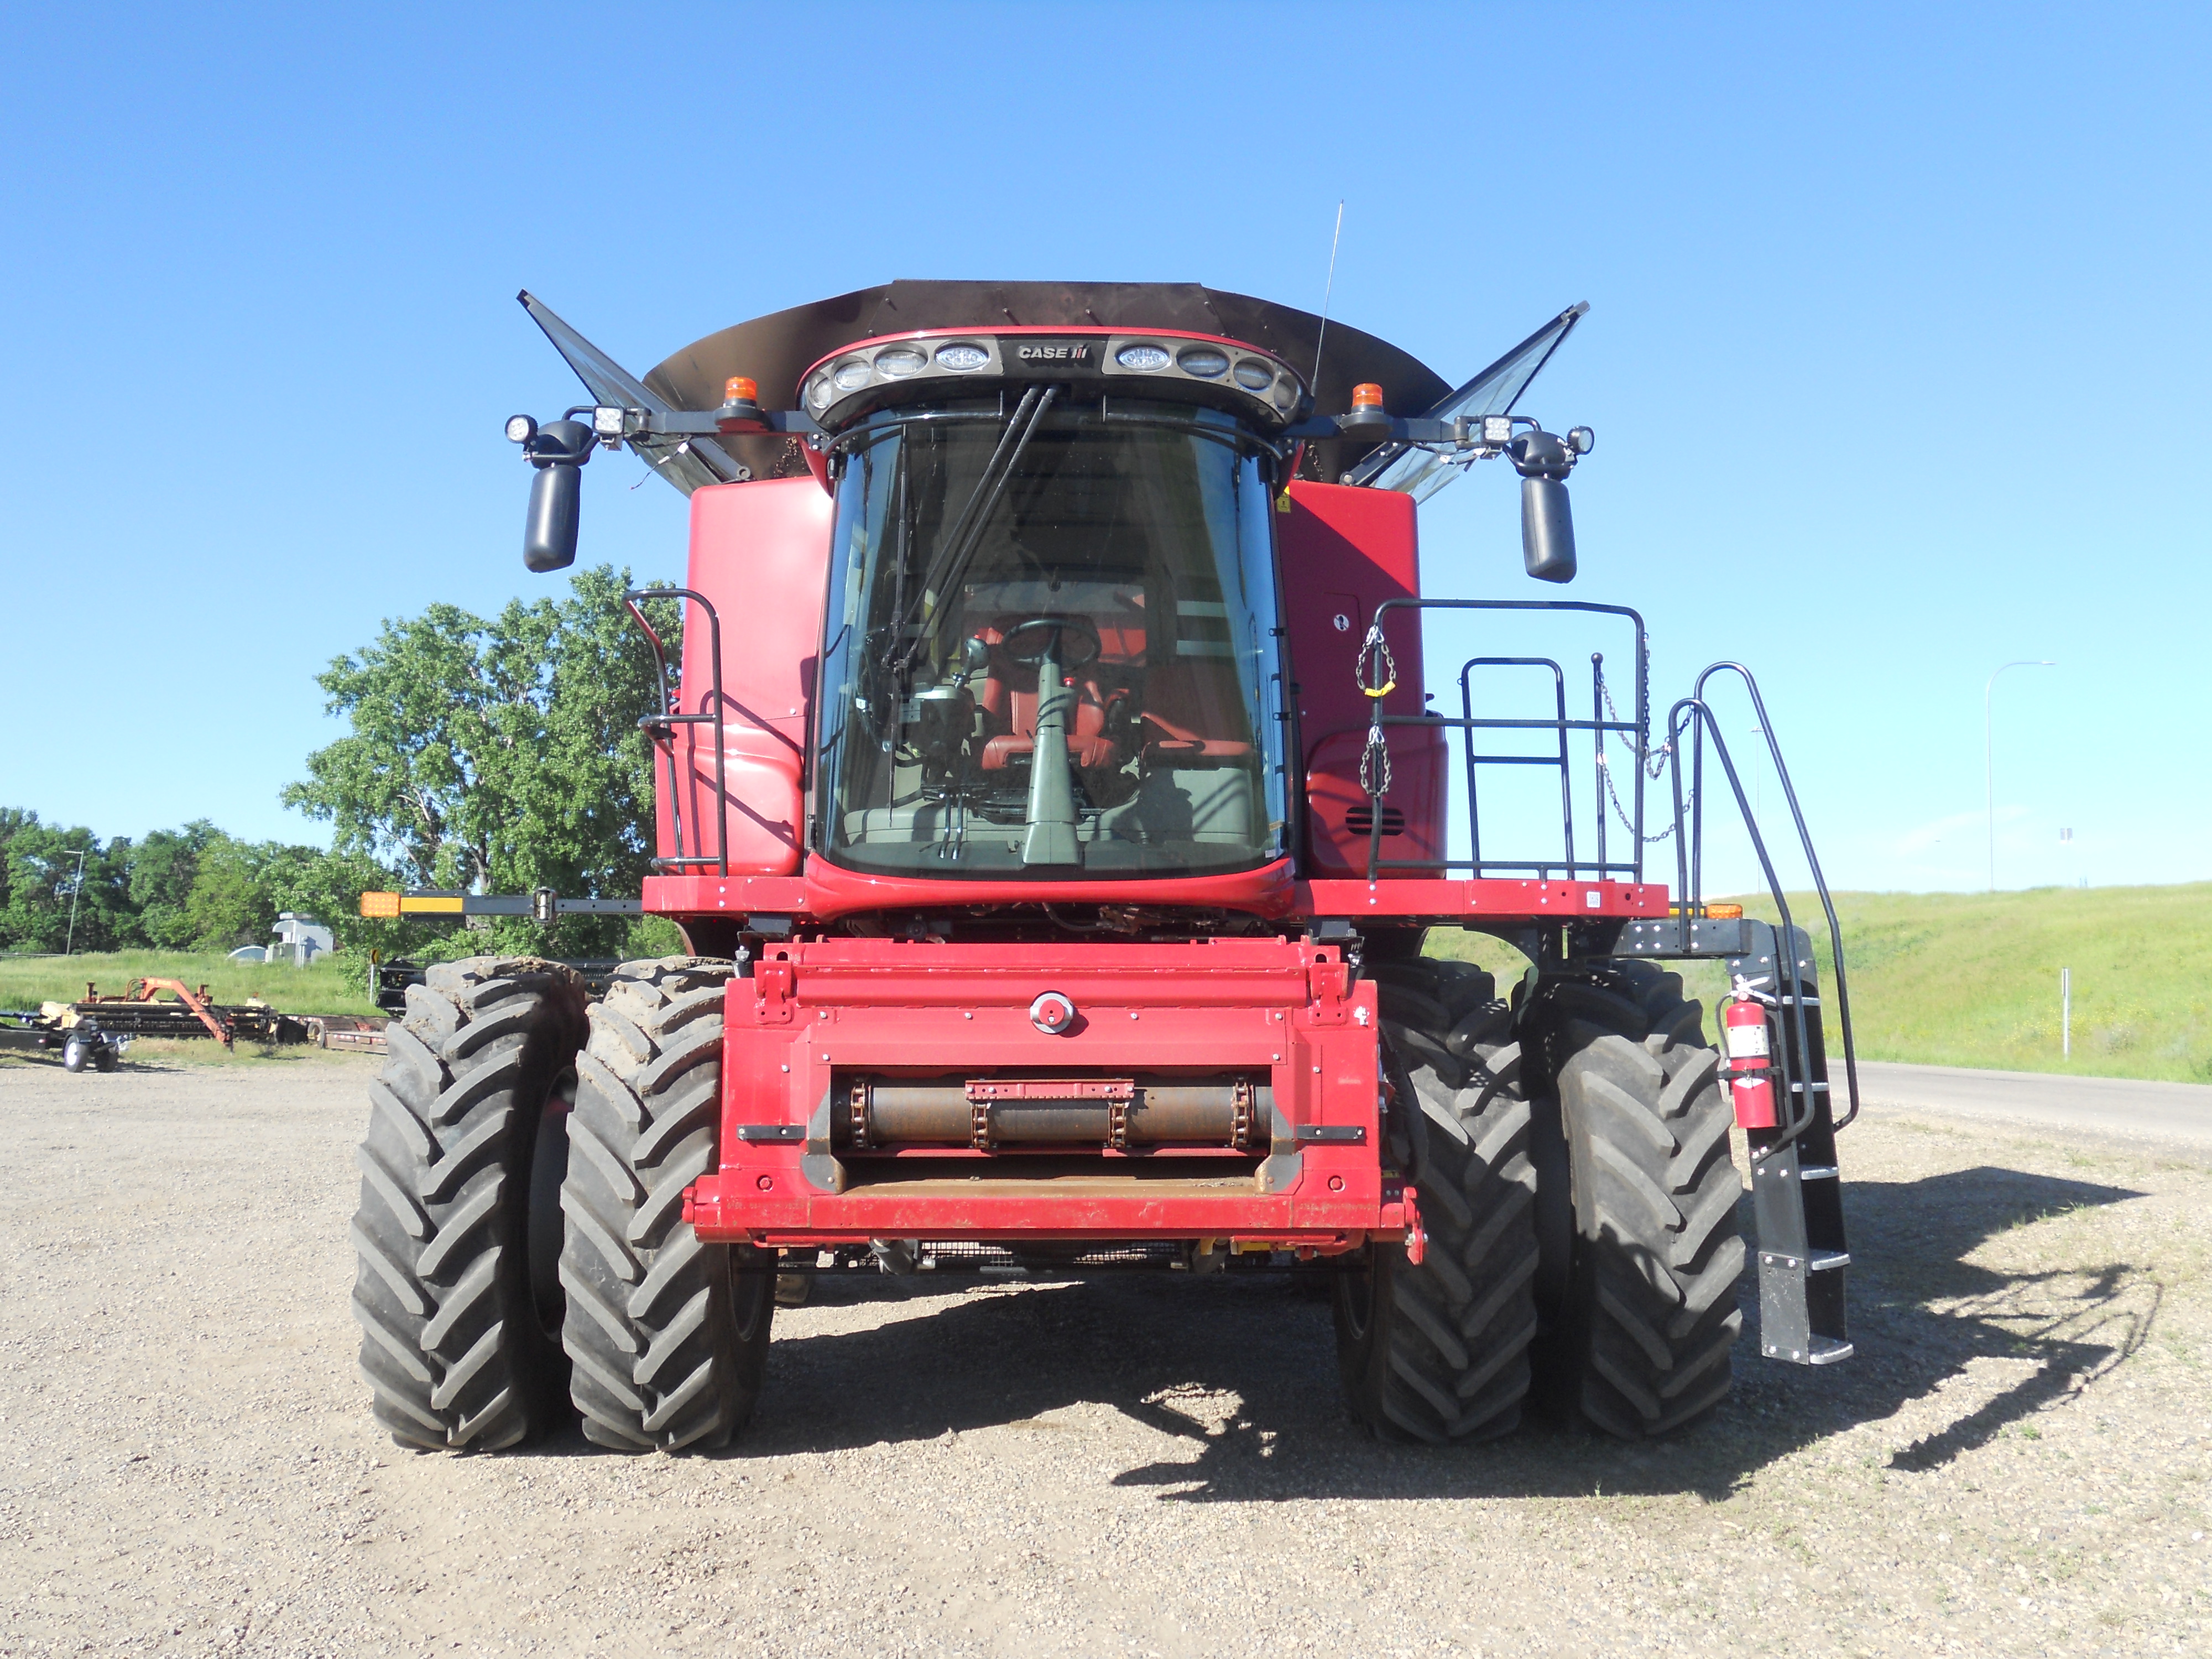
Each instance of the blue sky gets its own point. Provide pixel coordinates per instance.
(1896, 355)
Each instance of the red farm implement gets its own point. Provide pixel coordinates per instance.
(1052, 804)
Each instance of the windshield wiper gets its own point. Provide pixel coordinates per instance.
(952, 556)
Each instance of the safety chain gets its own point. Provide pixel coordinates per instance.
(1377, 649)
(1376, 754)
(1654, 768)
(1374, 759)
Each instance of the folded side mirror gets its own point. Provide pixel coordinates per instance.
(548, 533)
(549, 537)
(1548, 530)
(1547, 524)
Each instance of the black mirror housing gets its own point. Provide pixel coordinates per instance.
(558, 451)
(1547, 530)
(548, 535)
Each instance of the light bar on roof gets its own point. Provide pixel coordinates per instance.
(846, 385)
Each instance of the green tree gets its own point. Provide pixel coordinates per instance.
(163, 867)
(230, 904)
(13, 821)
(499, 756)
(44, 875)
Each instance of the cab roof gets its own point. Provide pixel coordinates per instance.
(775, 350)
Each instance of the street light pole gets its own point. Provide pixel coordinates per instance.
(69, 948)
(1989, 757)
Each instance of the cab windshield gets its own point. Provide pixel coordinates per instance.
(1050, 646)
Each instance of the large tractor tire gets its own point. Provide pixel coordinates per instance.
(1438, 1351)
(669, 1336)
(1642, 1318)
(457, 1233)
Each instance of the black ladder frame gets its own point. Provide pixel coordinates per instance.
(1796, 1192)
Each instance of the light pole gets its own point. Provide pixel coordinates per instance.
(69, 948)
(1989, 757)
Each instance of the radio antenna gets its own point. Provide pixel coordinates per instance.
(1327, 291)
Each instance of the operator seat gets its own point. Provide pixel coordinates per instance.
(1008, 700)
(1186, 699)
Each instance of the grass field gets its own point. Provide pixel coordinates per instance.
(325, 986)
(1971, 979)
(1942, 979)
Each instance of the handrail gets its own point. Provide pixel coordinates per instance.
(1567, 782)
(1693, 716)
(657, 724)
(1638, 729)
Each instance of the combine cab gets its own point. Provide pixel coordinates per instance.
(1053, 810)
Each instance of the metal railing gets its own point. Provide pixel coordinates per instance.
(1374, 653)
(1691, 721)
(660, 729)
(1693, 717)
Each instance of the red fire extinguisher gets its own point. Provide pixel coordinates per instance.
(1750, 1069)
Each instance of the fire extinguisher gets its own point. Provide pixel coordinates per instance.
(1750, 1070)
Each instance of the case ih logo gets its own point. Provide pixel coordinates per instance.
(1057, 353)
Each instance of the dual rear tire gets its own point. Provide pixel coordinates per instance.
(1438, 1351)
(1574, 1177)
(668, 1337)
(1640, 1306)
(522, 1256)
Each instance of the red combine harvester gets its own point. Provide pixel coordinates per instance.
(1051, 804)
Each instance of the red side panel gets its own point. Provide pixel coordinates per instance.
(1339, 813)
(760, 553)
(1344, 551)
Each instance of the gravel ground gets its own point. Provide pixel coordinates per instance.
(2015, 1464)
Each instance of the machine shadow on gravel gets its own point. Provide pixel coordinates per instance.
(1241, 1371)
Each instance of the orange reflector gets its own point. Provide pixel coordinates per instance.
(1367, 395)
(738, 389)
(380, 904)
(1725, 912)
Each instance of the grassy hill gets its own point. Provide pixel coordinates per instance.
(1944, 979)
(1971, 979)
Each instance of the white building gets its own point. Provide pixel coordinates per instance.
(299, 939)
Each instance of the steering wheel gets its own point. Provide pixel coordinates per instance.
(1055, 629)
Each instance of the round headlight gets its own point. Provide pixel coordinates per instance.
(962, 358)
(818, 393)
(851, 374)
(899, 361)
(1254, 375)
(1202, 360)
(1142, 358)
(520, 428)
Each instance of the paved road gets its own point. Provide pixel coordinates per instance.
(2177, 1113)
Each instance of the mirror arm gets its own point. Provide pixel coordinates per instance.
(616, 424)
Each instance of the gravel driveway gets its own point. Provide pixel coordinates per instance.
(2016, 1463)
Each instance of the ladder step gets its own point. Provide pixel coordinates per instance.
(1799, 1088)
(1820, 1262)
(1824, 1350)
